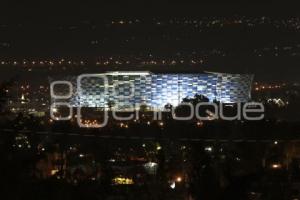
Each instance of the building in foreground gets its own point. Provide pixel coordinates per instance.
(125, 89)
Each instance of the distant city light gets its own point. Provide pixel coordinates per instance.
(161, 124)
(173, 185)
(208, 149)
(54, 171)
(54, 110)
(81, 155)
(276, 166)
(199, 123)
(178, 179)
(122, 181)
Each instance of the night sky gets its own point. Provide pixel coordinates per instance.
(54, 30)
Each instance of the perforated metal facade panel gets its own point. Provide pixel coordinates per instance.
(156, 90)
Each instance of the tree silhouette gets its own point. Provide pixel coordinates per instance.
(183, 110)
(168, 107)
(110, 105)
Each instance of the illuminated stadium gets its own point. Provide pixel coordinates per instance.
(125, 89)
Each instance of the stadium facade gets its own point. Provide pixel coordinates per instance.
(125, 89)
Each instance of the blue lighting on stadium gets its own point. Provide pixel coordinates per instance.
(155, 90)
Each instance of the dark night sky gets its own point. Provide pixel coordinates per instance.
(38, 15)
(52, 10)
(72, 10)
